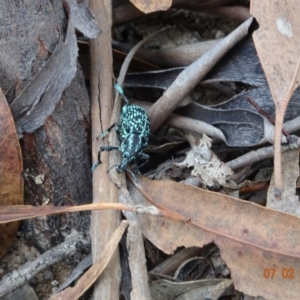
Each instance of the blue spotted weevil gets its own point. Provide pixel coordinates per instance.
(133, 131)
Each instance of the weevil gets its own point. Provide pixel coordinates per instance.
(133, 131)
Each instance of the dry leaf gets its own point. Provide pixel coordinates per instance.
(192, 75)
(277, 42)
(151, 6)
(10, 213)
(11, 166)
(207, 166)
(192, 290)
(290, 201)
(207, 287)
(254, 241)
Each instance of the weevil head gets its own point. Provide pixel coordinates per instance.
(130, 148)
(126, 160)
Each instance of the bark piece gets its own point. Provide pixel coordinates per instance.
(39, 98)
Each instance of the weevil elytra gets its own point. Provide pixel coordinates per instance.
(133, 131)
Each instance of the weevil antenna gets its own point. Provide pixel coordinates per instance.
(121, 92)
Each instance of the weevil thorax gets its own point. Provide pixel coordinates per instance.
(130, 148)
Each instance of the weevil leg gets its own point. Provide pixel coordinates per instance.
(104, 133)
(114, 166)
(96, 164)
(108, 148)
(103, 148)
(145, 157)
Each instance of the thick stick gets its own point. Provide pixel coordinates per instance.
(103, 223)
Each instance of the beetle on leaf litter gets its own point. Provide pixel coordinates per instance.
(133, 132)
